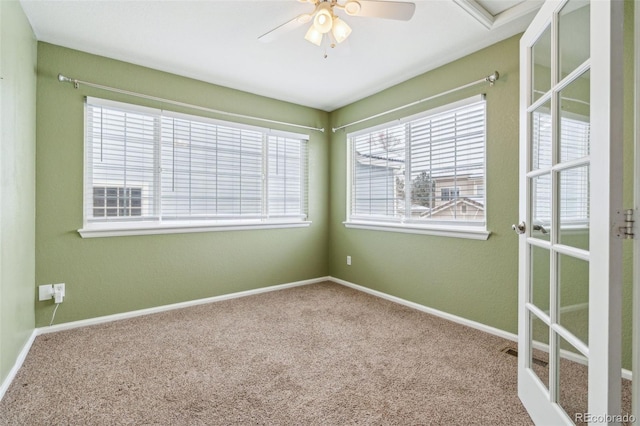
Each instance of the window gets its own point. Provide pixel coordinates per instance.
(573, 144)
(147, 169)
(424, 174)
(116, 201)
(450, 193)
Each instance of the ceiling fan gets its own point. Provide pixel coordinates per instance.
(327, 22)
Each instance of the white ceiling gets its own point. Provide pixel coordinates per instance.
(216, 41)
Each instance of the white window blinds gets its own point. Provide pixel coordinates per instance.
(120, 148)
(210, 171)
(428, 169)
(148, 165)
(286, 177)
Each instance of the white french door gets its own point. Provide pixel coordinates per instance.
(570, 259)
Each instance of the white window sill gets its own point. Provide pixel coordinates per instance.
(95, 230)
(470, 232)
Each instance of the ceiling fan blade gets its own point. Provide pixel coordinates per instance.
(402, 11)
(275, 33)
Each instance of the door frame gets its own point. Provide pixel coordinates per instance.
(607, 326)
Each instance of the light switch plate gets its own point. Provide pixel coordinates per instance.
(45, 292)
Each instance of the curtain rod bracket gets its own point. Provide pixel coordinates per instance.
(492, 78)
(63, 79)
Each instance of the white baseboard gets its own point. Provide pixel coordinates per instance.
(436, 312)
(163, 308)
(19, 361)
(132, 314)
(626, 374)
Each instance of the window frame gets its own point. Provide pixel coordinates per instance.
(136, 226)
(427, 227)
(572, 225)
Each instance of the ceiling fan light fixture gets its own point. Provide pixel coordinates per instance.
(313, 35)
(325, 22)
(324, 19)
(340, 30)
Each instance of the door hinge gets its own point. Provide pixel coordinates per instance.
(625, 227)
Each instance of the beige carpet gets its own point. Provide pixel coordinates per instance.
(319, 354)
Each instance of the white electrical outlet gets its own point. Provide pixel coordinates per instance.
(58, 292)
(349, 260)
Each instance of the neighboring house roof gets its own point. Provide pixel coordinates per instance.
(454, 203)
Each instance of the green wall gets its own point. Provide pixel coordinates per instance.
(17, 182)
(119, 274)
(477, 280)
(629, 154)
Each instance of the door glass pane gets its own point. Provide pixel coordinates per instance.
(573, 283)
(541, 63)
(573, 35)
(541, 206)
(540, 261)
(541, 137)
(538, 360)
(575, 130)
(574, 207)
(573, 384)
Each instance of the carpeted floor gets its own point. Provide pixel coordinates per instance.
(318, 354)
